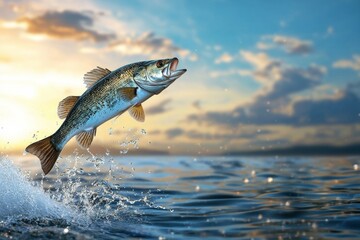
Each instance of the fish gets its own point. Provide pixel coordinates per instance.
(108, 95)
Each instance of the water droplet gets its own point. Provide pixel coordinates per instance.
(66, 230)
(287, 203)
(314, 226)
(197, 188)
(260, 216)
(253, 173)
(270, 179)
(124, 151)
(246, 180)
(356, 167)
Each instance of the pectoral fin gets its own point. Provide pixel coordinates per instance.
(137, 112)
(66, 105)
(90, 78)
(127, 93)
(85, 138)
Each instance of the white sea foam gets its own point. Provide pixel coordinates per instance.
(19, 198)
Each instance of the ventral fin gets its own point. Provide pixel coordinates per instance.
(127, 93)
(85, 138)
(66, 105)
(90, 78)
(137, 112)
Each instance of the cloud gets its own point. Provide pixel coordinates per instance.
(274, 102)
(274, 105)
(264, 46)
(150, 44)
(353, 64)
(266, 70)
(174, 132)
(159, 108)
(292, 80)
(276, 77)
(65, 25)
(343, 110)
(248, 133)
(224, 58)
(330, 30)
(229, 72)
(197, 104)
(291, 45)
(244, 134)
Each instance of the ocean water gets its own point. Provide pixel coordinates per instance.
(175, 197)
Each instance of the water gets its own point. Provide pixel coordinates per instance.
(172, 197)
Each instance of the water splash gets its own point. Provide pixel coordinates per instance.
(79, 196)
(20, 198)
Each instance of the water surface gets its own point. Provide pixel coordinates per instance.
(172, 197)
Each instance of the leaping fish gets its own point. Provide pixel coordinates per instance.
(109, 94)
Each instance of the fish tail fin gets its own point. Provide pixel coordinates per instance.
(46, 151)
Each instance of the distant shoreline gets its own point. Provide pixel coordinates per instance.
(298, 150)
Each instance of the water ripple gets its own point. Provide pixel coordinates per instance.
(182, 198)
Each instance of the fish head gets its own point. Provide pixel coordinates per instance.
(156, 75)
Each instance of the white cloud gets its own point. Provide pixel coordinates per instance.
(291, 45)
(266, 70)
(89, 21)
(353, 64)
(264, 46)
(217, 47)
(230, 72)
(224, 58)
(330, 30)
(151, 45)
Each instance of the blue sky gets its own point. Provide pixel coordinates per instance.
(261, 74)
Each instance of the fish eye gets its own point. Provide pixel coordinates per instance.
(160, 63)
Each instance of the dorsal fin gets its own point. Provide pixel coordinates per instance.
(137, 112)
(91, 77)
(85, 138)
(66, 105)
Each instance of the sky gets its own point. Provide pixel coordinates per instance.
(261, 74)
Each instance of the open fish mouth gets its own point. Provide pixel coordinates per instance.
(170, 72)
